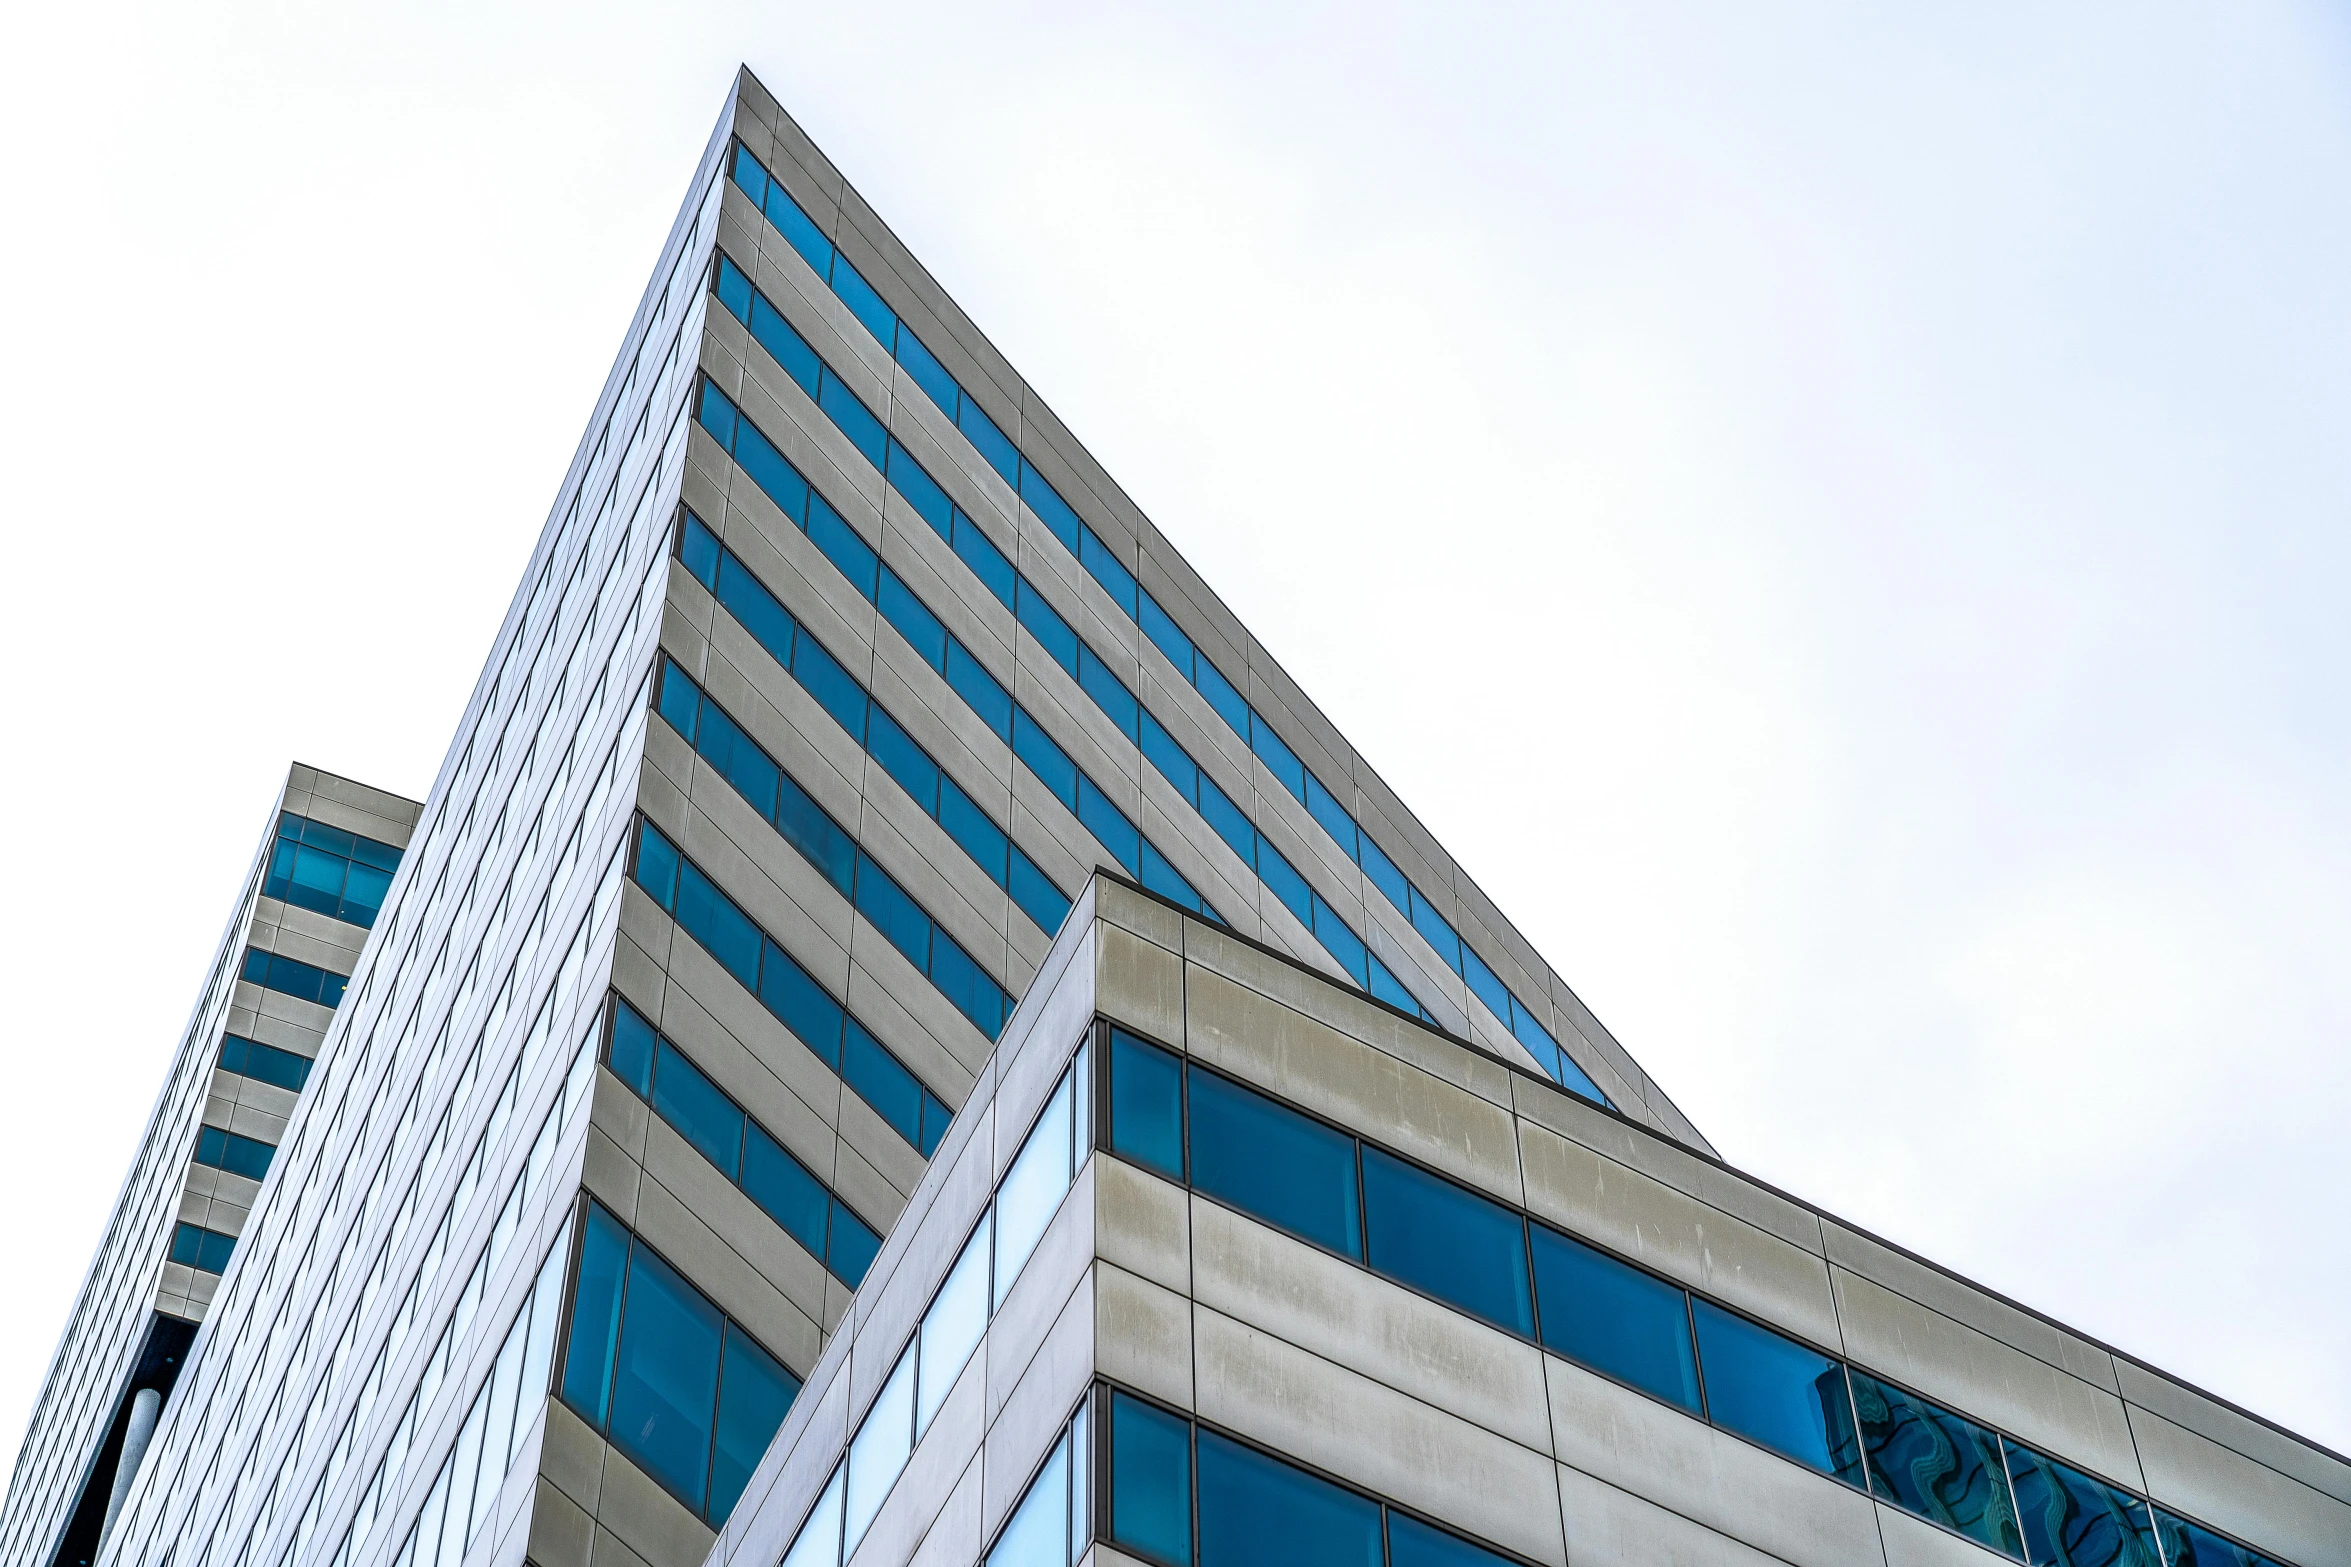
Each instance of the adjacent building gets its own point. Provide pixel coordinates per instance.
(899, 1036)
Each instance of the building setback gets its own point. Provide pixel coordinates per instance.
(901, 1038)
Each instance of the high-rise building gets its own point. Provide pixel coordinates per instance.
(901, 1038)
(316, 884)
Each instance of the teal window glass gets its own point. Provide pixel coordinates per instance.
(2192, 1545)
(1412, 1543)
(264, 1063)
(1936, 1464)
(1146, 1104)
(290, 977)
(328, 870)
(630, 1052)
(699, 1109)
(1271, 1162)
(665, 1377)
(1256, 1511)
(207, 1251)
(1777, 1392)
(238, 1155)
(1464, 1249)
(1150, 1482)
(595, 1316)
(1614, 1318)
(2071, 1520)
(754, 1394)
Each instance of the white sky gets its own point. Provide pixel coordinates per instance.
(1837, 520)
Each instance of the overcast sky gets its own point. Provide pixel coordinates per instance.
(1837, 520)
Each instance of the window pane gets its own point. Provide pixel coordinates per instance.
(1150, 1481)
(1614, 1318)
(1776, 1391)
(882, 1082)
(951, 1328)
(843, 545)
(1032, 1189)
(818, 1544)
(1433, 1235)
(884, 903)
(1109, 693)
(921, 491)
(1412, 1543)
(852, 1246)
(981, 690)
(1038, 1533)
(2071, 1520)
(1146, 1104)
(913, 620)
(907, 763)
(1934, 1463)
(1257, 1511)
(803, 1005)
(631, 1056)
(754, 1392)
(807, 827)
(699, 1109)
(1099, 816)
(784, 1188)
(665, 1377)
(595, 1316)
(1105, 568)
(1035, 893)
(1271, 1161)
(1040, 755)
(711, 918)
(747, 599)
(853, 418)
(879, 1450)
(1044, 622)
(2191, 1545)
(1054, 512)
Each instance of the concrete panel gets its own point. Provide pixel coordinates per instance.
(1623, 1210)
(1142, 1223)
(647, 1519)
(947, 1448)
(571, 1457)
(1312, 1064)
(1380, 1330)
(2216, 1422)
(1607, 1527)
(953, 1539)
(2206, 1481)
(1143, 1335)
(1064, 1256)
(1139, 982)
(561, 1532)
(1272, 1392)
(1980, 1376)
(1041, 1400)
(1913, 1542)
(1678, 1462)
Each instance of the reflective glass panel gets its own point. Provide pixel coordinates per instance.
(1460, 1247)
(1270, 1161)
(1257, 1511)
(1146, 1104)
(1150, 1481)
(1775, 1391)
(1936, 1464)
(2071, 1520)
(665, 1377)
(1614, 1318)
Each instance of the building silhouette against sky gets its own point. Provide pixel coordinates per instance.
(899, 1037)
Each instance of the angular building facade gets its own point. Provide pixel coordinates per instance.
(901, 1036)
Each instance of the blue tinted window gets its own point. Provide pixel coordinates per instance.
(1175, 764)
(2071, 1520)
(922, 492)
(631, 1053)
(854, 419)
(853, 1243)
(1104, 567)
(1484, 985)
(806, 826)
(1614, 1318)
(1340, 942)
(1035, 893)
(1412, 1543)
(678, 700)
(1776, 1391)
(266, 1063)
(595, 1316)
(747, 173)
(770, 470)
(981, 690)
(207, 1251)
(898, 917)
(864, 303)
(967, 986)
(1385, 985)
(1229, 821)
(1099, 816)
(1109, 693)
(290, 977)
(1229, 704)
(1436, 930)
(698, 548)
(1041, 756)
(1448, 1242)
(1934, 1463)
(699, 1109)
(732, 287)
(834, 688)
(926, 371)
(1257, 1511)
(1051, 509)
(1161, 876)
(1164, 633)
(907, 763)
(1146, 1104)
(974, 832)
(784, 1189)
(988, 563)
(226, 1150)
(786, 214)
(754, 1392)
(657, 865)
(1270, 1161)
(1150, 1482)
(844, 546)
(717, 413)
(2192, 1545)
(913, 620)
(993, 445)
(881, 1082)
(749, 601)
(741, 761)
(711, 918)
(787, 347)
(1384, 875)
(665, 1378)
(1281, 878)
(1279, 759)
(802, 1005)
(1331, 814)
(1044, 622)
